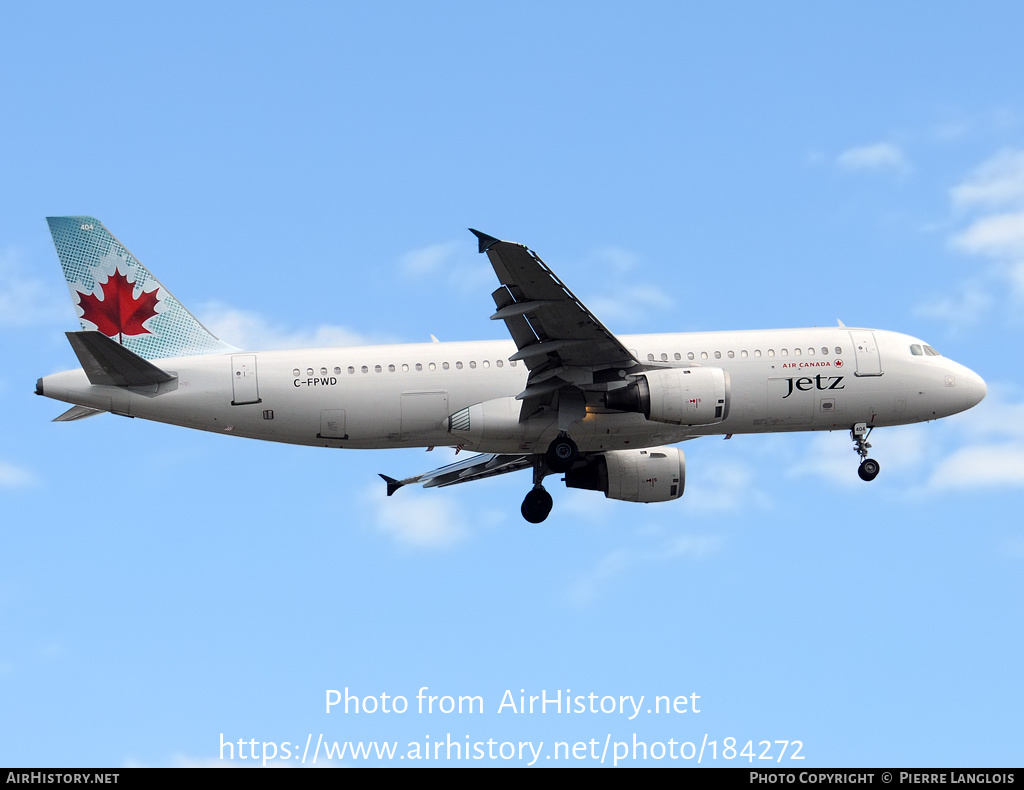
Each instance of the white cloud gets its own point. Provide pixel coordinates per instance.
(994, 193)
(418, 519)
(619, 259)
(972, 304)
(998, 181)
(981, 466)
(431, 259)
(878, 156)
(25, 301)
(588, 586)
(723, 486)
(999, 236)
(250, 330)
(446, 263)
(12, 476)
(628, 302)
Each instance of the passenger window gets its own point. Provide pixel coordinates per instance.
(419, 366)
(771, 352)
(690, 356)
(732, 354)
(472, 365)
(650, 357)
(391, 368)
(445, 365)
(405, 368)
(703, 354)
(810, 352)
(458, 366)
(785, 352)
(664, 357)
(757, 352)
(824, 351)
(839, 350)
(323, 371)
(376, 369)
(744, 354)
(796, 352)
(365, 369)
(309, 371)
(433, 366)
(678, 356)
(295, 372)
(351, 369)
(500, 363)
(486, 364)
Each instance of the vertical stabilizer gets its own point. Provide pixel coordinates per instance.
(117, 296)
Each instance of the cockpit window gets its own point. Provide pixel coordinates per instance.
(931, 352)
(916, 350)
(921, 350)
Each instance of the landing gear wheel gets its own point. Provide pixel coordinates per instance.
(868, 469)
(562, 454)
(537, 505)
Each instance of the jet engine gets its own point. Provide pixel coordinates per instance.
(681, 396)
(655, 474)
(493, 419)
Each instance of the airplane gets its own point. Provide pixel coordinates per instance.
(563, 396)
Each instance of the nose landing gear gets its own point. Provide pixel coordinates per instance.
(869, 468)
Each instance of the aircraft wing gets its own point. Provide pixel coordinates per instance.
(561, 342)
(475, 467)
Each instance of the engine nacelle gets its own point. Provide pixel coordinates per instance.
(655, 474)
(680, 396)
(493, 419)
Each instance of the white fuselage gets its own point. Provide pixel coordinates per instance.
(402, 395)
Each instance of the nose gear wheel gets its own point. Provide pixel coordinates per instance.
(869, 467)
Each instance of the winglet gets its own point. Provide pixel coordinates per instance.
(486, 242)
(393, 485)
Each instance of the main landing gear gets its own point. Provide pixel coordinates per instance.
(869, 468)
(538, 502)
(562, 453)
(537, 505)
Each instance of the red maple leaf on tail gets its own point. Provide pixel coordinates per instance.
(119, 312)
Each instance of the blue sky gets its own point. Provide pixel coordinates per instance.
(305, 176)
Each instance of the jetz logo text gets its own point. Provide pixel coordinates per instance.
(819, 382)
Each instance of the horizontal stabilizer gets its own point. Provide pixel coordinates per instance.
(110, 363)
(78, 413)
(475, 467)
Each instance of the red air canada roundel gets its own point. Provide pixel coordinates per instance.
(119, 312)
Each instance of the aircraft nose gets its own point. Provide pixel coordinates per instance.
(974, 387)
